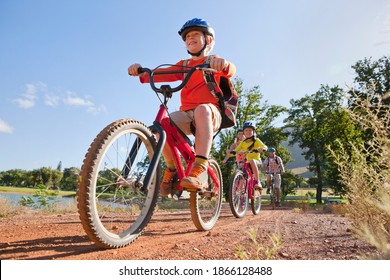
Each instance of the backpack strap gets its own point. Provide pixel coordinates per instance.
(253, 144)
(211, 83)
(214, 88)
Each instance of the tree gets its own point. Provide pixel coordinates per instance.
(69, 180)
(316, 120)
(372, 80)
(14, 177)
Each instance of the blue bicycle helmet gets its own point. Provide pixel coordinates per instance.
(248, 124)
(196, 24)
(271, 150)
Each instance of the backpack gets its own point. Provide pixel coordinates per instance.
(276, 160)
(225, 93)
(264, 168)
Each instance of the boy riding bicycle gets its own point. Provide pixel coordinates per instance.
(251, 143)
(199, 110)
(273, 166)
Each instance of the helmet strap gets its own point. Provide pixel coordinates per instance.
(199, 52)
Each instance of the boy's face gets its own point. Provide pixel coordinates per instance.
(195, 41)
(248, 132)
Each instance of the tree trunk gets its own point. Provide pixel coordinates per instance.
(319, 177)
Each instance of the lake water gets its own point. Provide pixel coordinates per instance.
(16, 197)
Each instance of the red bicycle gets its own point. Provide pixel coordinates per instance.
(241, 188)
(120, 177)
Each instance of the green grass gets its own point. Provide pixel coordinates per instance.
(32, 191)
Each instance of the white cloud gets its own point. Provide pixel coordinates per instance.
(51, 100)
(32, 92)
(25, 103)
(96, 110)
(29, 96)
(73, 100)
(5, 127)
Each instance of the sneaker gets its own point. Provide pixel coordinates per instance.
(197, 179)
(165, 187)
(257, 187)
(268, 191)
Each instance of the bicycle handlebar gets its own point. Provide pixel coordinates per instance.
(245, 151)
(167, 88)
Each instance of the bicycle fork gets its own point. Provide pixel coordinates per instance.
(156, 127)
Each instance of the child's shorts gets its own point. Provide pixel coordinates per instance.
(184, 119)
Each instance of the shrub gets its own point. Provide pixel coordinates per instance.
(366, 174)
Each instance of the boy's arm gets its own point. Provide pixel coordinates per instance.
(260, 146)
(144, 78)
(230, 70)
(227, 68)
(281, 165)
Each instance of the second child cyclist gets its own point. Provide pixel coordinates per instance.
(199, 107)
(251, 143)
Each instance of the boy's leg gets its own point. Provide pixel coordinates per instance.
(268, 183)
(169, 172)
(255, 171)
(207, 119)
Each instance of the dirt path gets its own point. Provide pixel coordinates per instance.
(172, 235)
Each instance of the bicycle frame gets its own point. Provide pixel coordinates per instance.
(249, 177)
(179, 146)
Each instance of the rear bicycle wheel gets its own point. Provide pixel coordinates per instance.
(116, 197)
(206, 206)
(256, 202)
(238, 195)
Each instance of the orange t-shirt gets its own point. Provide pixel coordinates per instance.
(195, 92)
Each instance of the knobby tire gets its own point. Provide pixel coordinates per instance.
(238, 194)
(114, 209)
(205, 208)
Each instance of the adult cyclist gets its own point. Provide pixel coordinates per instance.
(273, 166)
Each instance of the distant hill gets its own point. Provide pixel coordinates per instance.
(299, 165)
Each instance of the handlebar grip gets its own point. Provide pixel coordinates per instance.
(141, 70)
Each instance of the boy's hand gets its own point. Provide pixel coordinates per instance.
(219, 64)
(133, 69)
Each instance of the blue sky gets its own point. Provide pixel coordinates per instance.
(63, 64)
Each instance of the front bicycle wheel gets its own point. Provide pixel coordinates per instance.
(256, 202)
(238, 195)
(273, 196)
(118, 188)
(206, 206)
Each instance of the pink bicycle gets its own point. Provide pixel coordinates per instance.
(241, 189)
(121, 173)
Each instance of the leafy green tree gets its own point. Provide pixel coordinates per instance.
(316, 120)
(372, 85)
(69, 180)
(372, 80)
(14, 177)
